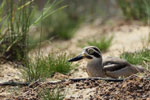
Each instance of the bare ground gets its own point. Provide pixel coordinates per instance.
(127, 37)
(133, 88)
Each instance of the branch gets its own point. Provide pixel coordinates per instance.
(96, 78)
(12, 83)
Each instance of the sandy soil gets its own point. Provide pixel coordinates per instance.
(132, 88)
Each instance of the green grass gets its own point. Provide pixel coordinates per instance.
(17, 18)
(103, 43)
(53, 94)
(45, 67)
(138, 58)
(2, 18)
(135, 9)
(17, 22)
(60, 25)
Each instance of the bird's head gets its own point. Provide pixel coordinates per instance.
(89, 52)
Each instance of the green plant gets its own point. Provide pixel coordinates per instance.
(13, 41)
(135, 9)
(60, 25)
(45, 67)
(20, 16)
(140, 57)
(103, 43)
(51, 94)
(2, 17)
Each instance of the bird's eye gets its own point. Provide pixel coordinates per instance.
(90, 51)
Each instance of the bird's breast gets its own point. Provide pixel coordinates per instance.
(95, 70)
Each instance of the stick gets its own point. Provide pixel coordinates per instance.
(97, 78)
(12, 83)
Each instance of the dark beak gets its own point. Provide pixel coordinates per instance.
(79, 57)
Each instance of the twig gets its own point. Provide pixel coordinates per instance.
(12, 83)
(96, 78)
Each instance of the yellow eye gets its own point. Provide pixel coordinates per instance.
(90, 51)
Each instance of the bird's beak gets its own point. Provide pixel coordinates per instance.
(79, 57)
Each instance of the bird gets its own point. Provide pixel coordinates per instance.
(112, 67)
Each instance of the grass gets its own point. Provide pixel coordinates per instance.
(58, 25)
(18, 17)
(138, 58)
(53, 94)
(61, 27)
(45, 67)
(17, 22)
(103, 43)
(135, 9)
(2, 18)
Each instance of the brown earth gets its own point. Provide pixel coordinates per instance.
(132, 88)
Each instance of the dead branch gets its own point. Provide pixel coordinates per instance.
(13, 83)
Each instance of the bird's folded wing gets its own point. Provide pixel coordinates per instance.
(114, 64)
(126, 71)
(114, 60)
(113, 67)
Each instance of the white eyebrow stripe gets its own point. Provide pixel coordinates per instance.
(96, 51)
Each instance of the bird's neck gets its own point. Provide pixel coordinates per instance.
(95, 68)
(97, 62)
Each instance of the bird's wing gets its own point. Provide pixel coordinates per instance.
(115, 67)
(126, 71)
(114, 64)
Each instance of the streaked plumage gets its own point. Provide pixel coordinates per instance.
(111, 67)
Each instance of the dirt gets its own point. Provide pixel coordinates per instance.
(132, 88)
(127, 37)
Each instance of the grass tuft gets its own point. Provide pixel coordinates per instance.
(15, 25)
(45, 67)
(138, 58)
(53, 94)
(135, 9)
(16, 19)
(103, 43)
(61, 27)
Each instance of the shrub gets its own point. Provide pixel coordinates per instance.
(60, 25)
(135, 9)
(19, 16)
